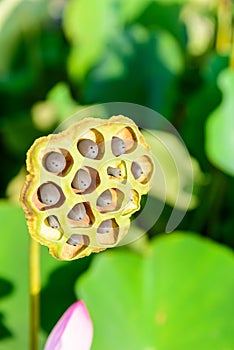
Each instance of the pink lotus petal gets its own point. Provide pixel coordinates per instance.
(74, 330)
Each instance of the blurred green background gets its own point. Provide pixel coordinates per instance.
(176, 57)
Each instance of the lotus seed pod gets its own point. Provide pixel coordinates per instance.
(84, 184)
(49, 194)
(88, 148)
(55, 162)
(118, 146)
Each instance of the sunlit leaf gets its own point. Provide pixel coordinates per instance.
(220, 127)
(177, 296)
(13, 25)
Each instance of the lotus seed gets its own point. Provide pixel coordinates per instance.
(136, 170)
(105, 226)
(82, 180)
(88, 148)
(49, 194)
(55, 162)
(53, 222)
(114, 171)
(78, 212)
(118, 146)
(75, 239)
(104, 199)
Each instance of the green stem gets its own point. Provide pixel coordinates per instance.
(231, 61)
(35, 286)
(224, 26)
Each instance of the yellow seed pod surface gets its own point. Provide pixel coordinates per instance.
(84, 184)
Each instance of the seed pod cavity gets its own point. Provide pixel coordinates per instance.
(88, 148)
(107, 232)
(49, 194)
(118, 146)
(78, 212)
(55, 162)
(104, 199)
(128, 135)
(114, 172)
(105, 226)
(53, 222)
(82, 180)
(136, 170)
(75, 239)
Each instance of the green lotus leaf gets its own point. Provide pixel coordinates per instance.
(178, 295)
(14, 275)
